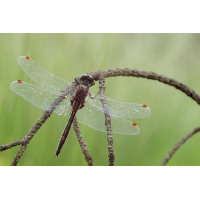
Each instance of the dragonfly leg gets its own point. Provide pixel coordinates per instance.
(91, 84)
(92, 96)
(76, 79)
(81, 106)
(72, 102)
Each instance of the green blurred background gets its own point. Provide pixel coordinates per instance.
(70, 55)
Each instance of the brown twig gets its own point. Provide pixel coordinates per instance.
(13, 144)
(111, 153)
(83, 146)
(171, 153)
(146, 74)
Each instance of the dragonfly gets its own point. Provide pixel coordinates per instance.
(78, 101)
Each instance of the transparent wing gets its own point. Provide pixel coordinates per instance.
(40, 97)
(95, 118)
(121, 109)
(40, 76)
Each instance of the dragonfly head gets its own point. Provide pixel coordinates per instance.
(87, 80)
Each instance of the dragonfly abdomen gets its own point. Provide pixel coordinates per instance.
(77, 103)
(65, 133)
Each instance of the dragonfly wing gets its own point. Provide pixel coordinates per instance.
(40, 76)
(121, 109)
(64, 108)
(40, 97)
(95, 118)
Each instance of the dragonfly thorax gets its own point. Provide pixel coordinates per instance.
(83, 87)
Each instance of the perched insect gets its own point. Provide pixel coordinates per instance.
(90, 110)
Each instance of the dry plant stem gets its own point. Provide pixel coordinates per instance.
(8, 146)
(146, 74)
(111, 153)
(83, 146)
(171, 153)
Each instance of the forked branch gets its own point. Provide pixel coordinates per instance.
(97, 75)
